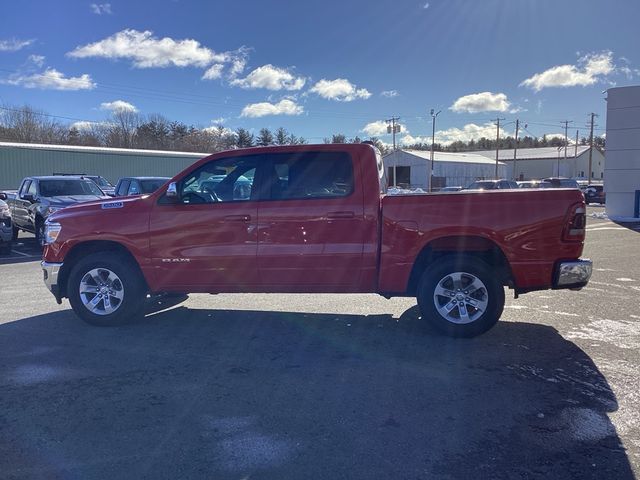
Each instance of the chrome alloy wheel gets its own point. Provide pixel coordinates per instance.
(460, 297)
(101, 291)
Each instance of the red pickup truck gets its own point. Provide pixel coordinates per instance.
(315, 219)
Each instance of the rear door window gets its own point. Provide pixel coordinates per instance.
(123, 188)
(309, 175)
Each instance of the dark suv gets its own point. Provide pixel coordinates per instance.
(594, 194)
(138, 185)
(559, 182)
(492, 185)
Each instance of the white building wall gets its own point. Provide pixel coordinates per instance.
(622, 170)
(535, 169)
(456, 173)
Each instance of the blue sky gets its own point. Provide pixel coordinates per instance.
(318, 68)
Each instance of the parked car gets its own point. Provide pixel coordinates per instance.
(533, 184)
(492, 185)
(317, 221)
(99, 180)
(39, 197)
(127, 186)
(594, 194)
(560, 182)
(6, 227)
(451, 189)
(103, 183)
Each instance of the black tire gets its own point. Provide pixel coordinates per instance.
(130, 284)
(40, 240)
(453, 275)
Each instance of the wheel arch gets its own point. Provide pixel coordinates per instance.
(469, 245)
(90, 247)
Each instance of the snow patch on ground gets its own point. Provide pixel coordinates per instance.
(624, 279)
(621, 333)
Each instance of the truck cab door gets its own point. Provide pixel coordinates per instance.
(206, 240)
(312, 227)
(22, 208)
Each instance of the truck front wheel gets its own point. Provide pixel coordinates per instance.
(106, 290)
(460, 296)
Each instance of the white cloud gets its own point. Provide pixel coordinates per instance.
(389, 93)
(339, 89)
(84, 125)
(590, 69)
(426, 5)
(238, 63)
(481, 102)
(411, 140)
(13, 45)
(283, 107)
(213, 72)
(37, 60)
(218, 121)
(215, 129)
(147, 51)
(271, 78)
(466, 133)
(375, 129)
(101, 8)
(118, 106)
(52, 79)
(379, 128)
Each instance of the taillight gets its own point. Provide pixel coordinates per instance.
(577, 221)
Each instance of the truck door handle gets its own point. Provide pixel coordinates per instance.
(237, 218)
(340, 215)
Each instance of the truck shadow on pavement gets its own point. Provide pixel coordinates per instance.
(191, 393)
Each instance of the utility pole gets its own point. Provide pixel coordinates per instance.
(393, 128)
(497, 143)
(515, 151)
(575, 157)
(566, 141)
(434, 115)
(593, 115)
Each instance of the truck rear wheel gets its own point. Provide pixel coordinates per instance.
(460, 296)
(106, 290)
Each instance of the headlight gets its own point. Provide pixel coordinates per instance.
(51, 210)
(51, 232)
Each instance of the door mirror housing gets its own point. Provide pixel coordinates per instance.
(28, 197)
(171, 195)
(172, 190)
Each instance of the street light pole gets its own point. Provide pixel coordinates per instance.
(434, 115)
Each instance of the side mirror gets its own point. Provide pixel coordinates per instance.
(3, 196)
(172, 190)
(172, 193)
(28, 197)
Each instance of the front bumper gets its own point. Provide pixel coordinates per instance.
(573, 274)
(51, 272)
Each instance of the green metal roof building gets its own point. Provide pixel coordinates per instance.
(19, 160)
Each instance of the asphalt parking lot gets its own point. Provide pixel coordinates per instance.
(325, 386)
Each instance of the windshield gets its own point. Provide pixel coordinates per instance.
(150, 186)
(63, 187)
(101, 182)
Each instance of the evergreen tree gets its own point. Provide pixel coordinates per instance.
(265, 137)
